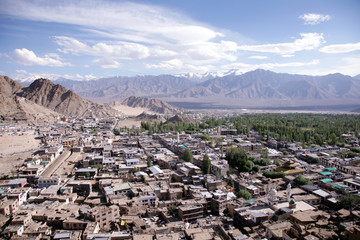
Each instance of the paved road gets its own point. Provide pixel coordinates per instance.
(67, 166)
(56, 163)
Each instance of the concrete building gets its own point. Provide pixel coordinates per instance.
(191, 211)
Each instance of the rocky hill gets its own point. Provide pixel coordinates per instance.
(150, 117)
(18, 109)
(62, 100)
(181, 118)
(154, 105)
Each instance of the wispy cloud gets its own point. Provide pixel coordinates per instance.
(176, 64)
(24, 75)
(346, 65)
(341, 48)
(313, 18)
(258, 57)
(123, 20)
(308, 41)
(28, 57)
(107, 63)
(249, 67)
(131, 30)
(122, 50)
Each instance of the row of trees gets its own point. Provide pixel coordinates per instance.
(307, 128)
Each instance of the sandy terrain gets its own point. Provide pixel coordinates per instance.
(14, 149)
(129, 111)
(15, 144)
(130, 122)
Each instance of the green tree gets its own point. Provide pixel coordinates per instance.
(301, 180)
(230, 182)
(172, 208)
(238, 158)
(187, 155)
(217, 175)
(273, 175)
(349, 201)
(244, 194)
(206, 164)
(355, 149)
(332, 140)
(264, 153)
(149, 162)
(277, 162)
(262, 162)
(256, 168)
(206, 137)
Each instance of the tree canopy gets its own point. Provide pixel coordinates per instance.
(206, 164)
(273, 175)
(238, 158)
(301, 180)
(187, 155)
(244, 194)
(349, 201)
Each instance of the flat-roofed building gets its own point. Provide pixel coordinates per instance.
(191, 211)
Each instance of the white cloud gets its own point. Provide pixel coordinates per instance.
(206, 51)
(28, 57)
(308, 41)
(213, 51)
(3, 55)
(107, 63)
(141, 31)
(23, 75)
(341, 48)
(123, 20)
(287, 55)
(258, 57)
(348, 65)
(121, 50)
(176, 64)
(245, 67)
(313, 18)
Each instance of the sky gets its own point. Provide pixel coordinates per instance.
(85, 40)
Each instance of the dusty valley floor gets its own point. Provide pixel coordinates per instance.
(14, 148)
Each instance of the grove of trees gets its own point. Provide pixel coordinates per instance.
(187, 155)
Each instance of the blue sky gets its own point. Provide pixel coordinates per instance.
(83, 40)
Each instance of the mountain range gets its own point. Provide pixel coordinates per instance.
(118, 88)
(259, 88)
(268, 89)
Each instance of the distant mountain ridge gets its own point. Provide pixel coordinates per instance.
(259, 88)
(119, 88)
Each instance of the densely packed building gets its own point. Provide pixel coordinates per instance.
(87, 183)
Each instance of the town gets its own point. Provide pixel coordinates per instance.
(209, 179)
